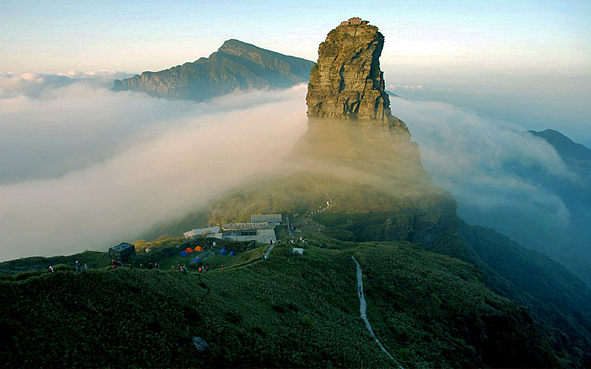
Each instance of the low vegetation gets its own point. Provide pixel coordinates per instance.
(289, 311)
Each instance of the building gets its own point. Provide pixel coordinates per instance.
(269, 218)
(258, 235)
(201, 231)
(122, 251)
(251, 225)
(233, 234)
(355, 21)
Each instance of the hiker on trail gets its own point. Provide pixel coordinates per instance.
(207, 269)
(264, 256)
(149, 265)
(222, 267)
(86, 267)
(51, 268)
(156, 265)
(78, 266)
(200, 270)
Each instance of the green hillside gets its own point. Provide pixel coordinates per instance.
(289, 311)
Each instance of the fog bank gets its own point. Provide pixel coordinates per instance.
(85, 168)
(471, 155)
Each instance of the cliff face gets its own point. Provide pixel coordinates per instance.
(355, 155)
(347, 82)
(236, 65)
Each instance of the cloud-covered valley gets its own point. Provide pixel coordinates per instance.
(473, 157)
(83, 167)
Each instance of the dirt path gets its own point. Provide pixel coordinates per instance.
(363, 308)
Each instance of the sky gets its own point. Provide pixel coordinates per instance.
(83, 167)
(132, 35)
(527, 62)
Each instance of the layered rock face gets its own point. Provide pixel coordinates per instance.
(347, 82)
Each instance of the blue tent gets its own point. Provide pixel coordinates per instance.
(233, 253)
(183, 253)
(194, 260)
(223, 252)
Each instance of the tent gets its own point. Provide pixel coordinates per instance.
(189, 250)
(194, 260)
(223, 252)
(233, 253)
(183, 253)
(199, 249)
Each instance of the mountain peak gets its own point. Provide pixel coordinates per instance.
(236, 65)
(232, 45)
(347, 82)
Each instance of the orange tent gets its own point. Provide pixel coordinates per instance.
(199, 249)
(188, 250)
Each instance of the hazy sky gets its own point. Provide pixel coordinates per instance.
(526, 62)
(84, 167)
(136, 35)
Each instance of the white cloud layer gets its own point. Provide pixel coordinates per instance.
(471, 156)
(105, 166)
(82, 167)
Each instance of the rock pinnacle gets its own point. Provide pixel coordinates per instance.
(347, 82)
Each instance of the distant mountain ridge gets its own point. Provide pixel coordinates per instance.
(568, 243)
(236, 65)
(566, 148)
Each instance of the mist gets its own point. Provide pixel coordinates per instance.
(470, 155)
(532, 101)
(82, 167)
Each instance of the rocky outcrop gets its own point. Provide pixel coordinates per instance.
(347, 82)
(354, 154)
(236, 65)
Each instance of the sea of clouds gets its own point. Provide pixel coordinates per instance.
(82, 167)
(472, 156)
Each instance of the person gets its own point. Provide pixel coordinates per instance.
(51, 268)
(222, 266)
(200, 269)
(264, 256)
(85, 266)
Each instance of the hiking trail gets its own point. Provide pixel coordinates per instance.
(363, 314)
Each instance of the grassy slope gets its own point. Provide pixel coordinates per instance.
(558, 301)
(449, 321)
(290, 311)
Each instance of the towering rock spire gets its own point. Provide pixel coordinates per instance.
(347, 82)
